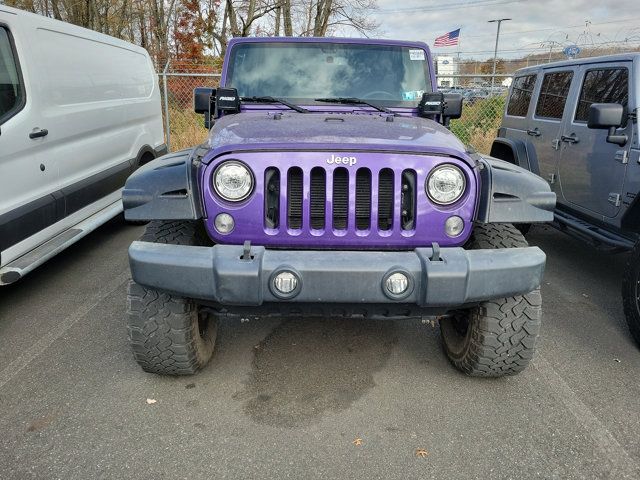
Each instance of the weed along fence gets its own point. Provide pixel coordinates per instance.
(481, 115)
(183, 127)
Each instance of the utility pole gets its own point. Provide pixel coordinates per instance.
(495, 52)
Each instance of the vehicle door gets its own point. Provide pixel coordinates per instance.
(82, 86)
(28, 178)
(592, 171)
(515, 123)
(546, 123)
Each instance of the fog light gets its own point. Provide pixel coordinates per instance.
(285, 282)
(453, 226)
(397, 283)
(224, 223)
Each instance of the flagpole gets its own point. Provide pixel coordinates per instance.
(457, 79)
(495, 52)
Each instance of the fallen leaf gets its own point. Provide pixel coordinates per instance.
(357, 442)
(617, 360)
(585, 295)
(421, 452)
(151, 401)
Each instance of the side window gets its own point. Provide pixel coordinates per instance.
(11, 91)
(521, 95)
(607, 85)
(553, 95)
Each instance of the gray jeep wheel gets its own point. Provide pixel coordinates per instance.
(169, 335)
(497, 337)
(631, 293)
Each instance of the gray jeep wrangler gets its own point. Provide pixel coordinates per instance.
(575, 124)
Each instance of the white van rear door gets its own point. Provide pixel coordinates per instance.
(29, 201)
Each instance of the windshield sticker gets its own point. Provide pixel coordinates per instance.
(416, 54)
(411, 96)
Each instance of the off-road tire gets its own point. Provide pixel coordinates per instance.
(631, 293)
(497, 337)
(169, 335)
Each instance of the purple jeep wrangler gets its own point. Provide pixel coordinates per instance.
(330, 186)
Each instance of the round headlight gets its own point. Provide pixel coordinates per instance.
(233, 181)
(446, 184)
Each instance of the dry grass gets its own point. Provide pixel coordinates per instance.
(187, 128)
(479, 123)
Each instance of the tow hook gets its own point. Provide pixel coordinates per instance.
(435, 256)
(246, 251)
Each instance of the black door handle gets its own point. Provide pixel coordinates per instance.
(41, 132)
(569, 139)
(534, 133)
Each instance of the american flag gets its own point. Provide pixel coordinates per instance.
(448, 39)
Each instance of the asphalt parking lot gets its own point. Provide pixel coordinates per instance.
(287, 399)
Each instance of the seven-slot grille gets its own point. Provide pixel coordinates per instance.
(340, 199)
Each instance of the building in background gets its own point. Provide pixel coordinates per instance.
(446, 65)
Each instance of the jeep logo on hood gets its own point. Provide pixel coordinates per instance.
(338, 160)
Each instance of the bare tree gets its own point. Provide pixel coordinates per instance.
(153, 23)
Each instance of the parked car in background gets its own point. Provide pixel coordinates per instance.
(473, 95)
(575, 124)
(333, 189)
(79, 111)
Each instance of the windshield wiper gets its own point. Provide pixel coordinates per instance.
(355, 101)
(292, 106)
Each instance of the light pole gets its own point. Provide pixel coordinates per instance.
(495, 52)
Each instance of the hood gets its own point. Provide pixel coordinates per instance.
(320, 131)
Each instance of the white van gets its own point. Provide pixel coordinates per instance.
(79, 111)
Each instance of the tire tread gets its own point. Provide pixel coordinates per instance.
(160, 326)
(504, 331)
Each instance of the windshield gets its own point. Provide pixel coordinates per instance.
(301, 72)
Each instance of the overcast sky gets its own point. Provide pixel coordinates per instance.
(534, 22)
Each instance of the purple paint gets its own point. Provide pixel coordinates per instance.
(331, 132)
(261, 139)
(249, 215)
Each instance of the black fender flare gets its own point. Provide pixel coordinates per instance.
(515, 152)
(165, 188)
(511, 194)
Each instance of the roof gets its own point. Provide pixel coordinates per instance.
(361, 41)
(42, 21)
(621, 57)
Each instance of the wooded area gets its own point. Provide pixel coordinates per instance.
(198, 31)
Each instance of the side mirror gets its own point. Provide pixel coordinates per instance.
(204, 102)
(603, 116)
(203, 97)
(446, 105)
(452, 108)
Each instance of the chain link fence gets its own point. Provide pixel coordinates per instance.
(484, 97)
(481, 115)
(183, 128)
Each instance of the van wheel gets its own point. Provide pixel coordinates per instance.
(631, 293)
(169, 335)
(497, 337)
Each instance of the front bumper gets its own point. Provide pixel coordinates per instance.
(219, 274)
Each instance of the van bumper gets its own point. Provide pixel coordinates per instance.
(226, 275)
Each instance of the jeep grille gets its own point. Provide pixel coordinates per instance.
(333, 191)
